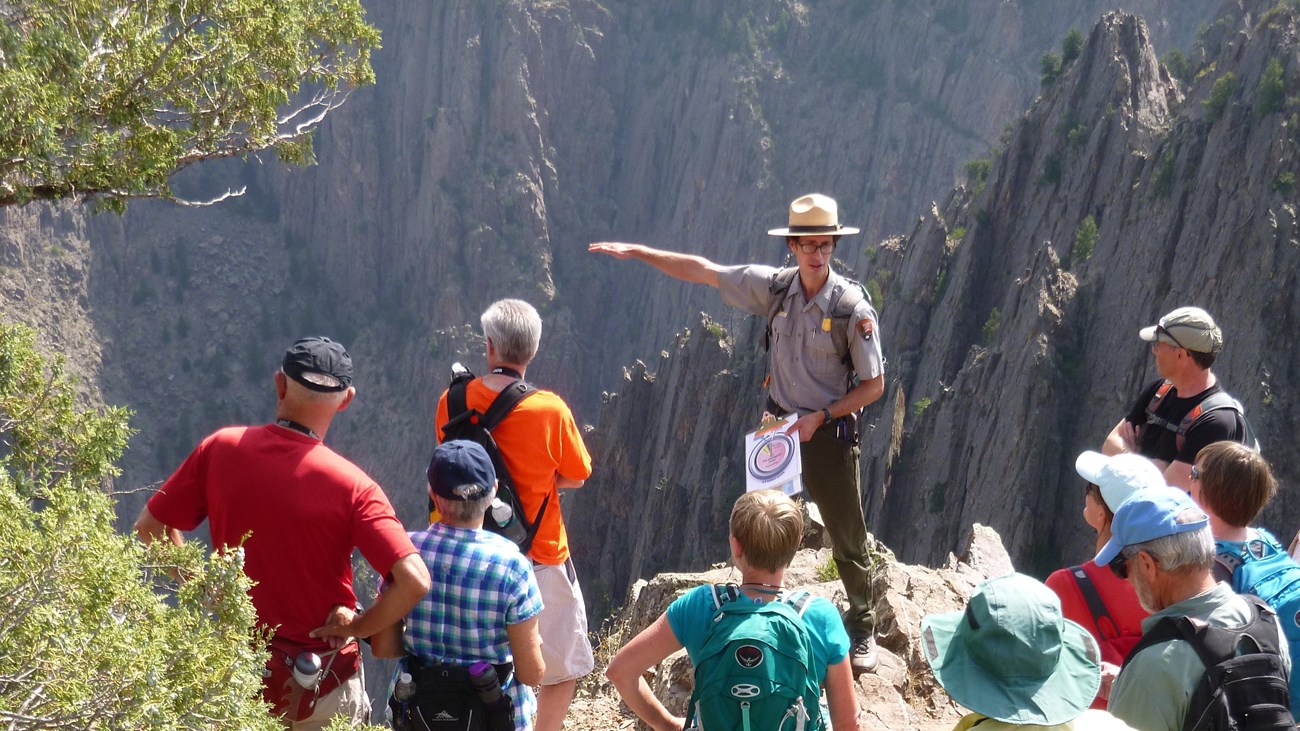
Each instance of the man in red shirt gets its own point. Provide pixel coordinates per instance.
(297, 510)
(543, 449)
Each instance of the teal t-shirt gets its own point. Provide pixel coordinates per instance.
(690, 615)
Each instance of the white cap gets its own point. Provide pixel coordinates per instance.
(1118, 476)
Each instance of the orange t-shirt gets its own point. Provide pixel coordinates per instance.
(538, 440)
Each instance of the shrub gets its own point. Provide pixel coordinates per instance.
(1284, 182)
(1272, 88)
(96, 632)
(1085, 239)
(1164, 180)
(1049, 69)
(921, 405)
(977, 173)
(1225, 87)
(991, 325)
(1051, 170)
(1179, 68)
(1071, 46)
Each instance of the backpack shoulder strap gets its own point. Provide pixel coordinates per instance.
(1156, 398)
(1096, 605)
(457, 406)
(505, 402)
(799, 600)
(1167, 629)
(777, 286)
(723, 594)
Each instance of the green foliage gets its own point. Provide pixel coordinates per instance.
(1284, 182)
(991, 325)
(1085, 239)
(829, 571)
(876, 288)
(1164, 180)
(95, 632)
(107, 99)
(715, 330)
(956, 235)
(921, 405)
(1049, 69)
(1225, 87)
(1071, 46)
(1272, 88)
(1177, 64)
(977, 174)
(1051, 170)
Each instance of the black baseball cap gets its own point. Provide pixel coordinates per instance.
(461, 470)
(319, 364)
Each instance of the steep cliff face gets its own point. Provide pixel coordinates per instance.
(1016, 332)
(504, 136)
(1010, 313)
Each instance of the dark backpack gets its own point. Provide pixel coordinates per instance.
(466, 423)
(1246, 684)
(1215, 401)
(1112, 641)
(755, 668)
(1260, 566)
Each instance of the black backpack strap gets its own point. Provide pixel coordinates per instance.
(457, 407)
(503, 404)
(1096, 605)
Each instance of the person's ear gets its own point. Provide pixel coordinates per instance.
(352, 393)
(281, 385)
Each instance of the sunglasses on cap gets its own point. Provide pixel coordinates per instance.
(1162, 329)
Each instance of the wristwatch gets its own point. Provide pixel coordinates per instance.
(826, 416)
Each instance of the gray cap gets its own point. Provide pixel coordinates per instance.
(1190, 328)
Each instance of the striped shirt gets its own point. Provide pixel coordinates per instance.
(481, 583)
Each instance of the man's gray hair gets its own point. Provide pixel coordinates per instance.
(515, 329)
(1181, 550)
(464, 511)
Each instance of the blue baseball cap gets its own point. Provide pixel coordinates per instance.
(461, 470)
(1148, 514)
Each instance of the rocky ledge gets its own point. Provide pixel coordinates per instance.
(902, 694)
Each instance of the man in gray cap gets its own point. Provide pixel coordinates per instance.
(297, 510)
(1186, 408)
(824, 364)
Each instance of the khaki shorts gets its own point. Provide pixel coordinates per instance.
(563, 624)
(348, 700)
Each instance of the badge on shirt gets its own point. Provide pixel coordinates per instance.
(865, 328)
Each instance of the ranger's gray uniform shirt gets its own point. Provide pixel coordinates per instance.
(807, 374)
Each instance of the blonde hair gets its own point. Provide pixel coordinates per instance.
(769, 527)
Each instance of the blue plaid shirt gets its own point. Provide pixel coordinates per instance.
(481, 583)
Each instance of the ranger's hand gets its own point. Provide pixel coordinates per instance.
(805, 425)
(337, 626)
(614, 248)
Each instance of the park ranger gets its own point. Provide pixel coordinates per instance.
(824, 364)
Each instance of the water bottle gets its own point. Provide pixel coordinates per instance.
(403, 692)
(504, 517)
(500, 709)
(405, 688)
(306, 670)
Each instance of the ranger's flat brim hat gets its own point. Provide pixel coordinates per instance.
(814, 215)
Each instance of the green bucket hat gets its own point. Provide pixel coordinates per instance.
(1011, 656)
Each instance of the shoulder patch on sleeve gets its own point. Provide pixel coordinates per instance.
(866, 328)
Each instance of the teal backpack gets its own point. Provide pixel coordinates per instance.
(754, 671)
(1261, 566)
